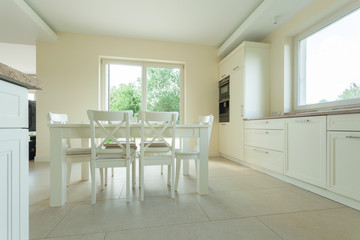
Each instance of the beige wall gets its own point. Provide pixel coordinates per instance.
(281, 42)
(69, 70)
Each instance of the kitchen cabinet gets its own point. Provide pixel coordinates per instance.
(265, 144)
(343, 155)
(248, 67)
(14, 163)
(306, 149)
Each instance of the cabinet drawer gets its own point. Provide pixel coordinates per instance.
(269, 139)
(345, 122)
(265, 124)
(271, 160)
(13, 106)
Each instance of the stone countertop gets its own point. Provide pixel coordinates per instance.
(333, 111)
(14, 76)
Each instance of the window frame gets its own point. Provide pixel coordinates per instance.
(298, 84)
(104, 86)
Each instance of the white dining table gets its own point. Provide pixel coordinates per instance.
(60, 132)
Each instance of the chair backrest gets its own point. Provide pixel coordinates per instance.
(98, 119)
(57, 118)
(156, 124)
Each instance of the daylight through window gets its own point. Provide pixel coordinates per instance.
(328, 70)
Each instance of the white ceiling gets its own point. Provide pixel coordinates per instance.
(221, 23)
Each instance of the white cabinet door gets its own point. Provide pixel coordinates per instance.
(236, 118)
(306, 149)
(344, 163)
(14, 203)
(224, 138)
(13, 106)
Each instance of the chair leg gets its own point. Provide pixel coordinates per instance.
(133, 174)
(172, 180)
(162, 169)
(196, 167)
(139, 173)
(101, 178)
(112, 172)
(169, 175)
(106, 176)
(142, 180)
(68, 172)
(128, 180)
(93, 184)
(178, 162)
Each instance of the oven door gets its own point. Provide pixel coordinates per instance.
(224, 110)
(224, 88)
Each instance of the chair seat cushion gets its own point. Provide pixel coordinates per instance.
(160, 154)
(113, 155)
(78, 151)
(156, 145)
(114, 145)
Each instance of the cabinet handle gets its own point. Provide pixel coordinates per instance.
(235, 68)
(356, 137)
(260, 131)
(303, 121)
(259, 150)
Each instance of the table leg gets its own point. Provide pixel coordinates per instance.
(203, 169)
(85, 165)
(186, 145)
(57, 168)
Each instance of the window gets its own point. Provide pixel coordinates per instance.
(141, 86)
(327, 70)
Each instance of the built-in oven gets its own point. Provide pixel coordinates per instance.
(224, 88)
(224, 99)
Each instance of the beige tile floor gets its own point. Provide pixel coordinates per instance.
(242, 204)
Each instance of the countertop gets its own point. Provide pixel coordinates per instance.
(334, 111)
(16, 77)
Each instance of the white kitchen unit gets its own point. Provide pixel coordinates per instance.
(306, 149)
(265, 144)
(248, 67)
(344, 155)
(14, 162)
(14, 145)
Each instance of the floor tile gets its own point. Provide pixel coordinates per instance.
(246, 228)
(42, 219)
(244, 203)
(245, 181)
(111, 215)
(331, 224)
(95, 236)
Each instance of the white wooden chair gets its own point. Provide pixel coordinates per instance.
(73, 155)
(102, 157)
(186, 154)
(153, 126)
